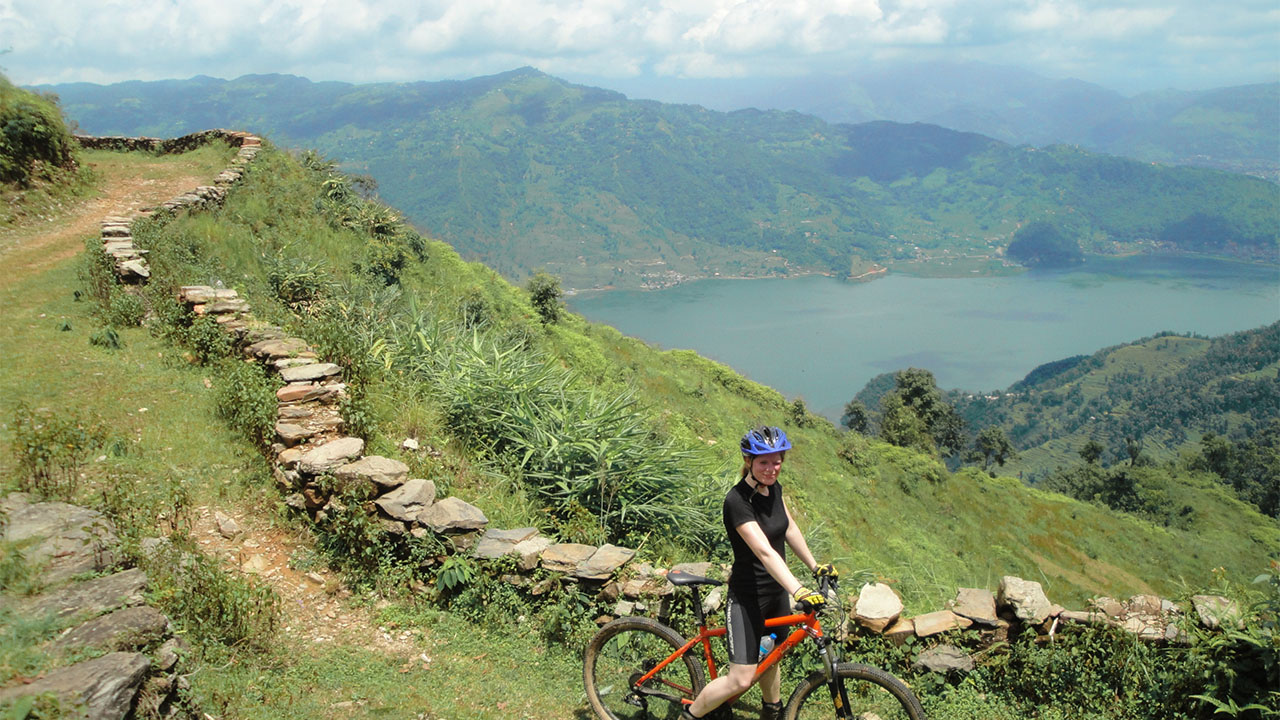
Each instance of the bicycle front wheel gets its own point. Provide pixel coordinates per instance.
(873, 695)
(625, 650)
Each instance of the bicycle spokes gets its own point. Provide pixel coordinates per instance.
(630, 689)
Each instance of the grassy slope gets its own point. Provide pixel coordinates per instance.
(159, 405)
(929, 536)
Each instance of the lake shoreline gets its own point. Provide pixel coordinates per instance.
(936, 269)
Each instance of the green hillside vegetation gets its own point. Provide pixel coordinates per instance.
(1042, 244)
(38, 167)
(1165, 391)
(524, 171)
(540, 419)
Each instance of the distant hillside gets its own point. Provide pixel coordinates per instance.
(524, 171)
(1232, 128)
(1164, 392)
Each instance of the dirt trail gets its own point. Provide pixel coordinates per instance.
(34, 248)
(316, 607)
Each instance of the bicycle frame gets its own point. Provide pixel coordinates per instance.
(809, 626)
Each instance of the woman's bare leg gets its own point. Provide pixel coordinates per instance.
(735, 682)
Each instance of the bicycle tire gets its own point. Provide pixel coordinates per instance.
(628, 647)
(872, 693)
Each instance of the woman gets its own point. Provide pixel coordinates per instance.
(760, 585)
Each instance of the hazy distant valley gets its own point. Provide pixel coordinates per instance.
(525, 171)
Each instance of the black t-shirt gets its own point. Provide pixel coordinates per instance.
(742, 505)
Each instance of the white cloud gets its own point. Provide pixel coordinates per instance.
(110, 40)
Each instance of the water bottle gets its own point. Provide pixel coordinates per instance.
(766, 645)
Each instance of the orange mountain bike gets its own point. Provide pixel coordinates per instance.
(639, 669)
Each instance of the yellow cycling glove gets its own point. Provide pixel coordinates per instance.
(808, 599)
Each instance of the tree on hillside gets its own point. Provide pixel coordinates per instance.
(917, 392)
(902, 426)
(1092, 451)
(1043, 244)
(544, 293)
(855, 417)
(991, 444)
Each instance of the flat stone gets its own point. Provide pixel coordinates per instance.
(312, 371)
(330, 455)
(498, 543)
(1149, 605)
(71, 539)
(105, 687)
(530, 552)
(307, 392)
(227, 526)
(128, 629)
(566, 557)
(977, 604)
(1215, 611)
(278, 348)
(1086, 617)
(702, 569)
(944, 659)
(409, 500)
(939, 622)
(877, 607)
(135, 267)
(94, 596)
(1144, 629)
(221, 307)
(604, 562)
(1112, 607)
(901, 630)
(291, 434)
(1026, 597)
(297, 392)
(289, 458)
(385, 473)
(452, 515)
(294, 412)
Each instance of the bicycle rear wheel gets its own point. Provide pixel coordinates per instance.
(873, 695)
(621, 653)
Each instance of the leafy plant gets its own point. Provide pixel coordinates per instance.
(51, 448)
(246, 399)
(456, 573)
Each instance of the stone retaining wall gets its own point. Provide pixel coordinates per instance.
(117, 233)
(311, 444)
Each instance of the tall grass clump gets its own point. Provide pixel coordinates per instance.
(585, 453)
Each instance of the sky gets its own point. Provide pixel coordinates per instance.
(1126, 45)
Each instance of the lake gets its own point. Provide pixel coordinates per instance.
(822, 339)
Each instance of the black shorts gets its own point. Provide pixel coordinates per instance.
(744, 623)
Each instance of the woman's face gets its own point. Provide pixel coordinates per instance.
(765, 468)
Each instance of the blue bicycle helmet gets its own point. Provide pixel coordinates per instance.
(764, 440)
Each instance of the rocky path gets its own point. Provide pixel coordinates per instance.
(34, 248)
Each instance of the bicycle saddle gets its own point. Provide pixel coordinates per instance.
(681, 578)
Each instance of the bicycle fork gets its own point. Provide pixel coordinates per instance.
(835, 683)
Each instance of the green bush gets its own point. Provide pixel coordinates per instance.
(246, 399)
(124, 310)
(34, 140)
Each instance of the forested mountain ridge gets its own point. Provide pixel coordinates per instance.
(524, 171)
(1163, 392)
(1229, 128)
